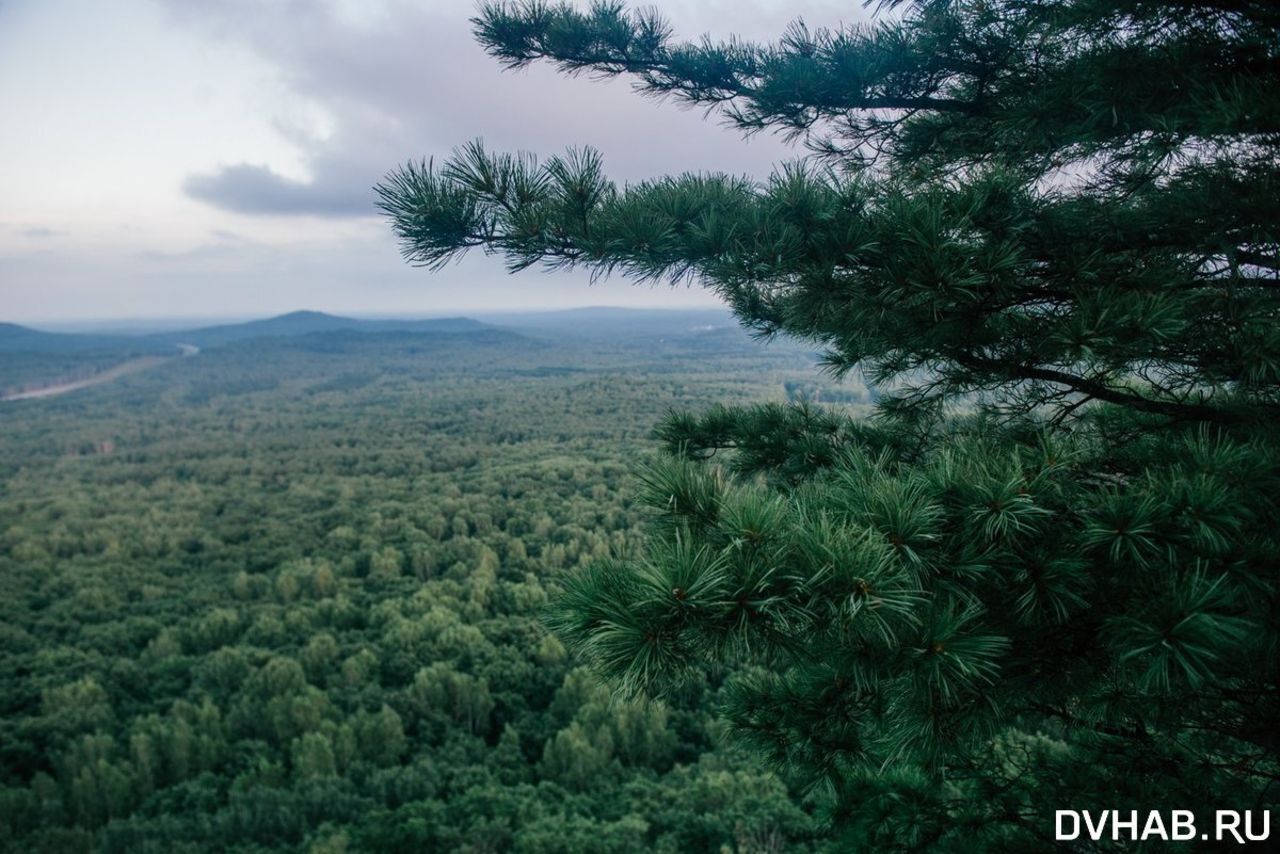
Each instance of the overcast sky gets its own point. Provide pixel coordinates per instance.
(188, 158)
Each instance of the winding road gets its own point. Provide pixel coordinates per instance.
(120, 370)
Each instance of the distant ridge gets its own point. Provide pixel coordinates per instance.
(307, 322)
(15, 338)
(593, 322)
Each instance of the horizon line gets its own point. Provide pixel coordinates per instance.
(50, 324)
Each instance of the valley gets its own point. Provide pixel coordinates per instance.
(290, 593)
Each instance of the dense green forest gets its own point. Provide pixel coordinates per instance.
(287, 595)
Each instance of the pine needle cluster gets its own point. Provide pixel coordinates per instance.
(1045, 574)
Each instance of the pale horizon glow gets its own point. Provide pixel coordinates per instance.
(168, 158)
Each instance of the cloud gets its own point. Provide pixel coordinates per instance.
(250, 189)
(39, 232)
(398, 81)
(178, 201)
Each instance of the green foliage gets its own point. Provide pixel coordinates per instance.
(305, 614)
(1046, 232)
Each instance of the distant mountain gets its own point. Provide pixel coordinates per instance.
(310, 322)
(23, 339)
(32, 360)
(601, 324)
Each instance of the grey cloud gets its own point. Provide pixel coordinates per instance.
(413, 83)
(245, 188)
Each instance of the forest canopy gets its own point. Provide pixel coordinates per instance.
(287, 595)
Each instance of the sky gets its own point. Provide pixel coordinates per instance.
(216, 158)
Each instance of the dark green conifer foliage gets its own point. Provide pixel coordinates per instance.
(1045, 576)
